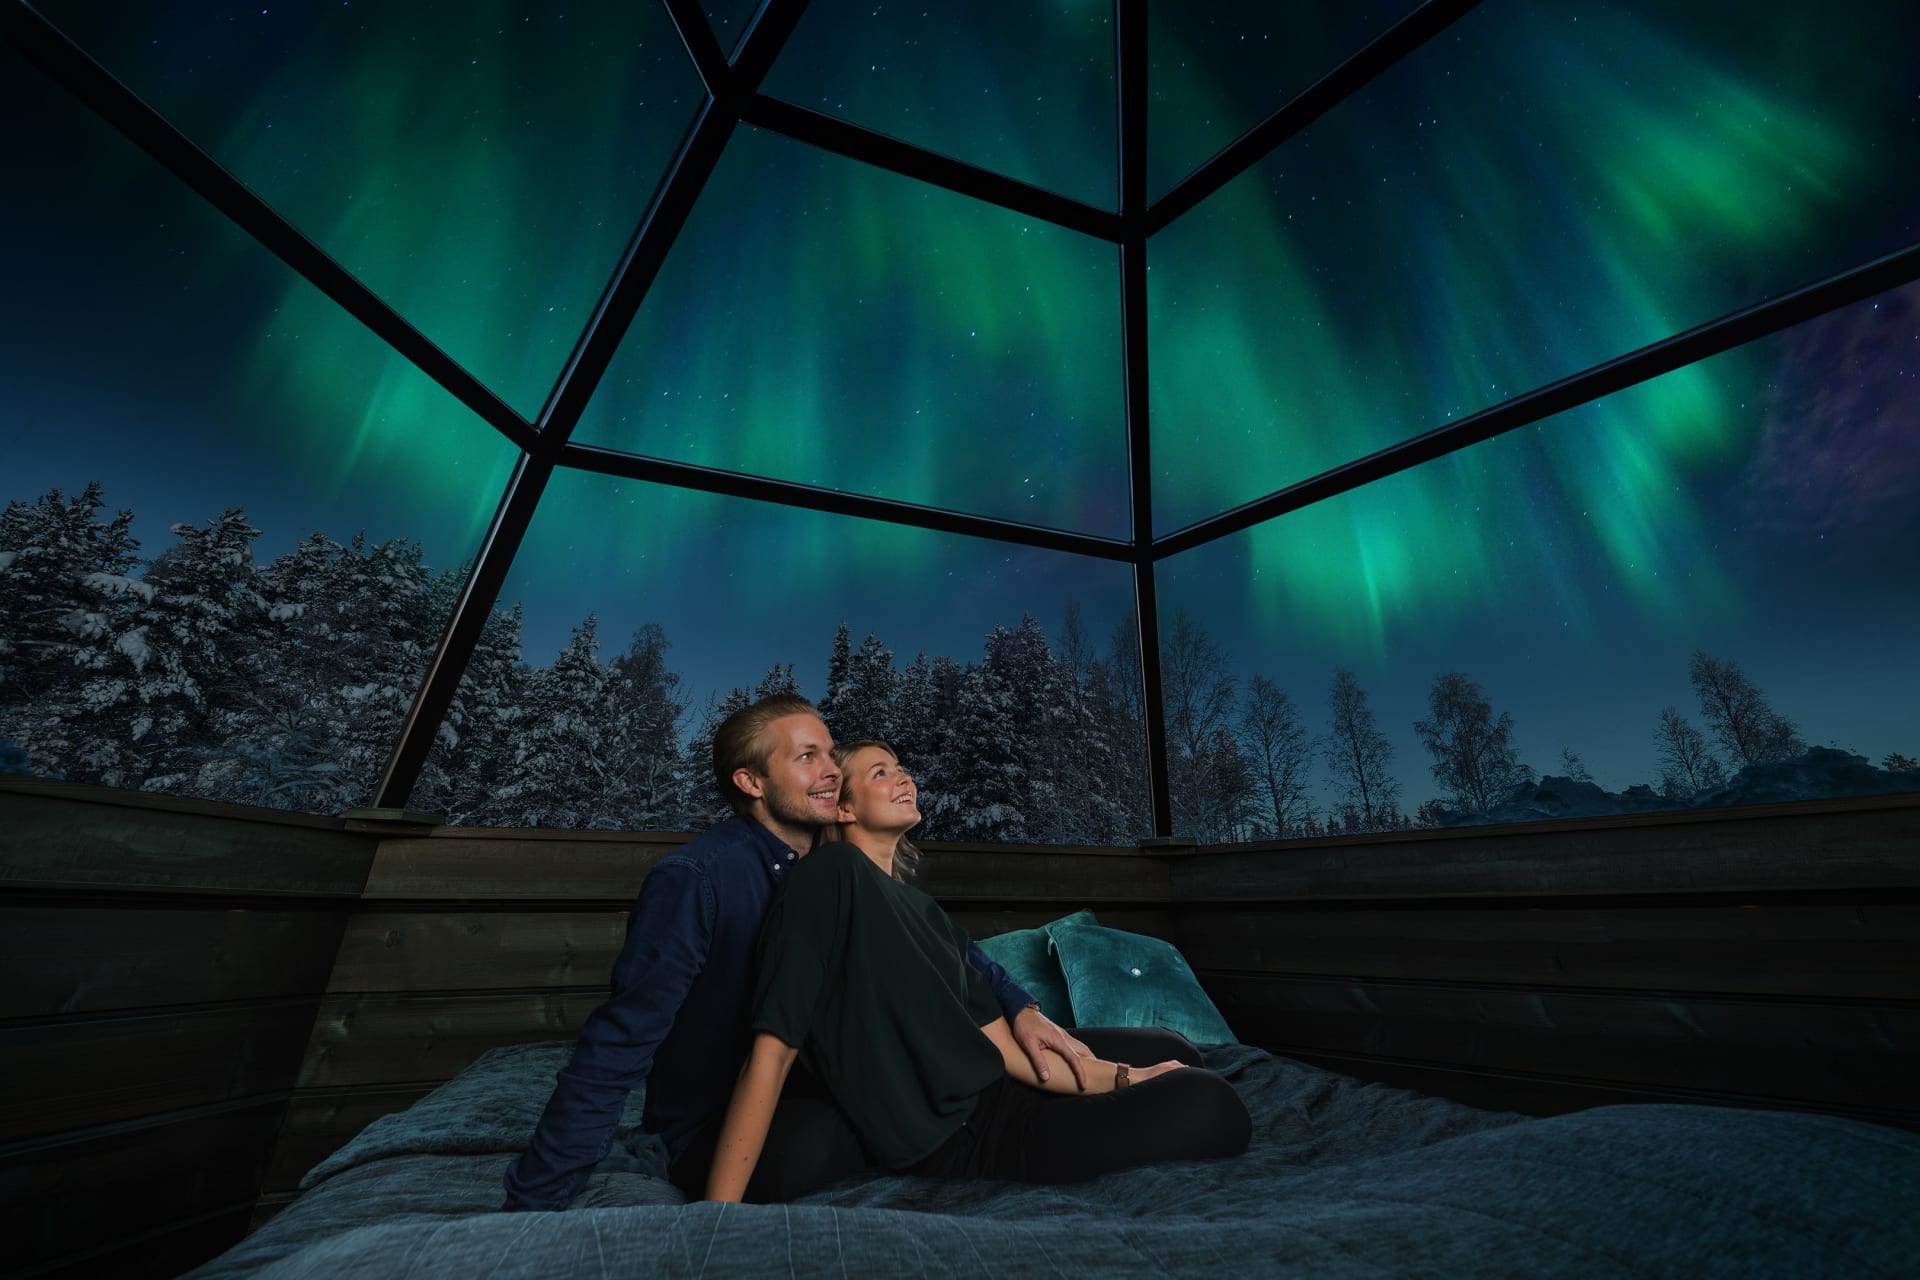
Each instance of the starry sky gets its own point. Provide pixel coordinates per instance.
(1539, 189)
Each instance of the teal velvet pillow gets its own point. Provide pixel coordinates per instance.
(1027, 955)
(1118, 979)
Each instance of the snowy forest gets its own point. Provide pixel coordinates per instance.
(201, 671)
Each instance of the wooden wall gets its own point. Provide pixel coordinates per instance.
(1763, 957)
(202, 1001)
(162, 960)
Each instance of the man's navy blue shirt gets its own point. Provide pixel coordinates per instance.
(677, 1018)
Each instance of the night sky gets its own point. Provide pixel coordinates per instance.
(1539, 189)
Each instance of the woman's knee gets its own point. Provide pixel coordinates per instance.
(1212, 1106)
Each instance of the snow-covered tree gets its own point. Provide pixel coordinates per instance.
(561, 774)
(838, 663)
(1473, 755)
(1749, 730)
(985, 793)
(644, 714)
(1357, 756)
(63, 571)
(863, 706)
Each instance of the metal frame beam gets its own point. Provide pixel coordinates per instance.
(1345, 80)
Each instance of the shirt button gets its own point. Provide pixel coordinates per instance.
(789, 857)
(1134, 972)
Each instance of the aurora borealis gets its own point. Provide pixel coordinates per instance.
(1536, 191)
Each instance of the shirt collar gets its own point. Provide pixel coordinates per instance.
(773, 851)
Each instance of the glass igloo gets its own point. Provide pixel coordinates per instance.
(1237, 422)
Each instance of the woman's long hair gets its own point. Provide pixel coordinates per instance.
(906, 854)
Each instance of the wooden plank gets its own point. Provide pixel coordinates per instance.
(1855, 1054)
(77, 959)
(487, 950)
(1852, 951)
(458, 865)
(320, 1122)
(986, 923)
(477, 950)
(68, 836)
(74, 1072)
(1545, 1096)
(1038, 875)
(427, 1039)
(87, 1192)
(1857, 846)
(453, 864)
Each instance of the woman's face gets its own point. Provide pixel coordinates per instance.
(878, 795)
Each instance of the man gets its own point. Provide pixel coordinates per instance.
(676, 1018)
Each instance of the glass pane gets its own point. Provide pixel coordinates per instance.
(1526, 197)
(830, 323)
(480, 166)
(296, 502)
(1021, 88)
(1220, 68)
(1699, 591)
(647, 613)
(730, 21)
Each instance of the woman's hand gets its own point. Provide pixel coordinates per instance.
(1137, 1075)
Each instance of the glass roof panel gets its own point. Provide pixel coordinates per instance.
(1020, 88)
(300, 500)
(481, 166)
(826, 322)
(1533, 193)
(1216, 70)
(1761, 508)
(990, 708)
(730, 21)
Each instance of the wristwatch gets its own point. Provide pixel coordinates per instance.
(1120, 1080)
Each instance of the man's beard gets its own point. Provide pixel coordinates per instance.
(793, 807)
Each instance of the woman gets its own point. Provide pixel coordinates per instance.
(867, 977)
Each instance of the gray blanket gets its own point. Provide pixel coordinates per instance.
(1343, 1180)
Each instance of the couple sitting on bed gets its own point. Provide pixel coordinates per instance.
(800, 1013)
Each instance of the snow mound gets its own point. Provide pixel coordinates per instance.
(1821, 773)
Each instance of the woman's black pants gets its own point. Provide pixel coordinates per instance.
(1028, 1135)
(1015, 1132)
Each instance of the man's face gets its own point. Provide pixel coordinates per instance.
(802, 783)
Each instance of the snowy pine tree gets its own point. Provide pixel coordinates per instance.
(645, 712)
(561, 774)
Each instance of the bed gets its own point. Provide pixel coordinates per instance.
(1343, 1179)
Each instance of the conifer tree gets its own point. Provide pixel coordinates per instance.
(561, 775)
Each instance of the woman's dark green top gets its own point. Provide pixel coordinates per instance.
(869, 979)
